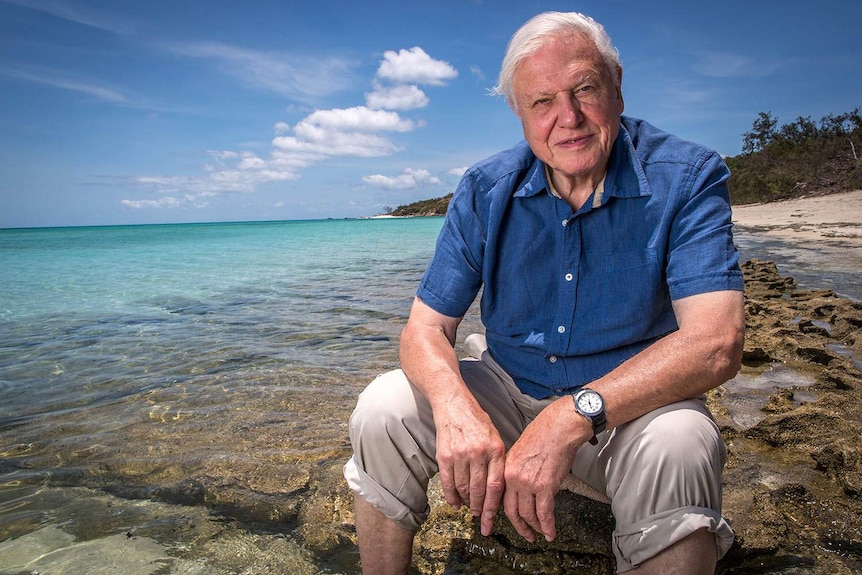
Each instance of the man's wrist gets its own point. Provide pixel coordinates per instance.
(590, 404)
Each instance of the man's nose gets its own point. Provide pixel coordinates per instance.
(569, 110)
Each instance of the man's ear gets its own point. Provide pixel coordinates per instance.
(620, 89)
(514, 108)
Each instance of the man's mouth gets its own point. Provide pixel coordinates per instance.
(575, 142)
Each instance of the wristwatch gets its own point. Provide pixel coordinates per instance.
(590, 404)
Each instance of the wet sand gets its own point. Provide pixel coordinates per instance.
(834, 219)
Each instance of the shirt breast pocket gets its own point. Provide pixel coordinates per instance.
(625, 299)
(618, 263)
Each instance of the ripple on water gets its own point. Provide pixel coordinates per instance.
(98, 534)
(746, 394)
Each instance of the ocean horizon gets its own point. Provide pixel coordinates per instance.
(215, 222)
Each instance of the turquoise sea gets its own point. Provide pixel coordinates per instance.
(174, 398)
(114, 310)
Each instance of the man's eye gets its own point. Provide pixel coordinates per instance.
(587, 93)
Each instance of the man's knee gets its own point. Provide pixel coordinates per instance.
(392, 433)
(667, 482)
(686, 439)
(387, 406)
(673, 458)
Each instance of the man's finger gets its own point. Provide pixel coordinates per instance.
(545, 515)
(447, 482)
(478, 478)
(527, 510)
(461, 479)
(511, 502)
(494, 487)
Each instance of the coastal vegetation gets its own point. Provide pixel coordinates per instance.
(432, 207)
(801, 158)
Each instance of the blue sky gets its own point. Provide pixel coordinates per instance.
(130, 112)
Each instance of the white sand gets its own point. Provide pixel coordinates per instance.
(833, 219)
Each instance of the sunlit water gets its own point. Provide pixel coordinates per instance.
(831, 265)
(133, 357)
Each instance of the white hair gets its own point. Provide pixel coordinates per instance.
(538, 30)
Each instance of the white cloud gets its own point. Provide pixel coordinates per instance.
(74, 12)
(458, 171)
(223, 154)
(168, 202)
(63, 80)
(414, 66)
(194, 200)
(358, 131)
(251, 162)
(408, 179)
(727, 65)
(324, 144)
(167, 184)
(396, 98)
(358, 118)
(342, 132)
(301, 76)
(230, 172)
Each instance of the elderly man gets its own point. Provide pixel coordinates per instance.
(612, 301)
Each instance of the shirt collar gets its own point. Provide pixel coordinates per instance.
(625, 177)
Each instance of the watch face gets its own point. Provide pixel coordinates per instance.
(590, 402)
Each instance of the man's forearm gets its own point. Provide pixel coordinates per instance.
(428, 358)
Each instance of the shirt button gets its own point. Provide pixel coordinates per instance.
(565, 223)
(569, 277)
(558, 391)
(553, 359)
(561, 329)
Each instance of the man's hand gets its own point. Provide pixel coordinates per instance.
(470, 454)
(471, 457)
(537, 464)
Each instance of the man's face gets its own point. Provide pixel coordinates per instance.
(569, 106)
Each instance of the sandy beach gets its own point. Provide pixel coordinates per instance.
(834, 219)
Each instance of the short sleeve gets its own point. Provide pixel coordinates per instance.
(701, 256)
(454, 276)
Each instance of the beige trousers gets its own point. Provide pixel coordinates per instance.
(661, 472)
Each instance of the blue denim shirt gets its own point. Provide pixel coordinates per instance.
(568, 296)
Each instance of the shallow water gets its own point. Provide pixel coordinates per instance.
(213, 368)
(814, 265)
(134, 358)
(745, 395)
